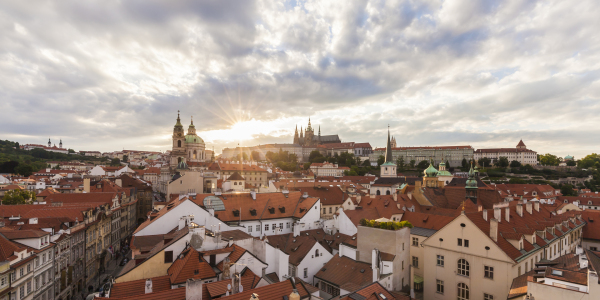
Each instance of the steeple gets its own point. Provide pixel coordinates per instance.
(388, 148)
(309, 128)
(296, 138)
(49, 143)
(471, 186)
(192, 128)
(60, 144)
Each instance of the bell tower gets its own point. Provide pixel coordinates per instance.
(178, 151)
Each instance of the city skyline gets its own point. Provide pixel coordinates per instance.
(107, 76)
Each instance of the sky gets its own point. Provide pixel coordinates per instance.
(111, 75)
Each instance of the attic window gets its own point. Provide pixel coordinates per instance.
(236, 212)
(196, 272)
(253, 212)
(557, 273)
(272, 210)
(282, 209)
(362, 270)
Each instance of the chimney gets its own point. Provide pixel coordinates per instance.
(193, 289)
(520, 209)
(254, 296)
(479, 207)
(529, 207)
(181, 223)
(485, 216)
(294, 295)
(148, 288)
(395, 197)
(86, 185)
(230, 242)
(497, 214)
(494, 229)
(119, 182)
(358, 198)
(296, 228)
(536, 206)
(375, 265)
(507, 213)
(253, 194)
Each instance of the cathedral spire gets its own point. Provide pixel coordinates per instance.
(388, 148)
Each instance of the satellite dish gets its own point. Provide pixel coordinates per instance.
(228, 286)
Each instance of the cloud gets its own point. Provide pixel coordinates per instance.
(110, 74)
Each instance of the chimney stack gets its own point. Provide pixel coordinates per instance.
(497, 214)
(293, 296)
(536, 206)
(148, 288)
(494, 229)
(86, 185)
(485, 216)
(520, 209)
(193, 289)
(529, 207)
(507, 214)
(395, 197)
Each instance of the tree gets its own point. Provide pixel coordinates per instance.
(484, 161)
(400, 163)
(464, 163)
(447, 164)
(589, 161)
(8, 166)
(18, 196)
(366, 163)
(24, 170)
(17, 146)
(255, 155)
(380, 160)
(412, 163)
(423, 165)
(307, 165)
(549, 160)
(115, 161)
(71, 151)
(502, 162)
(516, 181)
(125, 158)
(515, 164)
(567, 190)
(314, 154)
(293, 158)
(571, 163)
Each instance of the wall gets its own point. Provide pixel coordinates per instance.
(313, 264)
(345, 225)
(347, 251)
(475, 255)
(542, 291)
(153, 267)
(417, 251)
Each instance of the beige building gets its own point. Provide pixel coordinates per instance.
(185, 182)
(327, 169)
(479, 253)
(519, 153)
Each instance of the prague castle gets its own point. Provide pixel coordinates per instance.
(308, 138)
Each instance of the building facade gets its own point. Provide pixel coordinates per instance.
(519, 153)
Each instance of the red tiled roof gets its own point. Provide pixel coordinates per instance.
(138, 287)
(248, 279)
(274, 291)
(190, 265)
(341, 270)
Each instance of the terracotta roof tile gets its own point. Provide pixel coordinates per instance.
(341, 270)
(138, 287)
(190, 265)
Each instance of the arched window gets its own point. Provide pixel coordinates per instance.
(195, 154)
(317, 253)
(463, 291)
(378, 193)
(178, 143)
(388, 192)
(463, 267)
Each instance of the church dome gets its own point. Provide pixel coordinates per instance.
(193, 139)
(430, 171)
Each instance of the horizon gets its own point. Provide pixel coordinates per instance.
(112, 76)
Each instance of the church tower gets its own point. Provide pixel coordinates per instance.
(194, 145)
(301, 139)
(471, 186)
(60, 144)
(296, 137)
(388, 168)
(319, 137)
(49, 143)
(309, 135)
(178, 151)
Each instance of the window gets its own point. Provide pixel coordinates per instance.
(402, 265)
(280, 225)
(250, 228)
(28, 287)
(487, 297)
(440, 260)
(519, 271)
(526, 267)
(324, 210)
(467, 243)
(305, 272)
(21, 272)
(257, 227)
(594, 248)
(168, 256)
(287, 225)
(463, 267)
(440, 286)
(415, 241)
(266, 227)
(22, 292)
(330, 210)
(488, 272)
(463, 291)
(415, 261)
(316, 252)
(460, 242)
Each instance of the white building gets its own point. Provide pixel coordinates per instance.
(519, 153)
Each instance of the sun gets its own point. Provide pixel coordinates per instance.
(242, 131)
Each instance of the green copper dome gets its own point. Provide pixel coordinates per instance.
(444, 173)
(430, 171)
(193, 139)
(471, 182)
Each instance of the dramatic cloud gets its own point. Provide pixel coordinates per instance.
(107, 75)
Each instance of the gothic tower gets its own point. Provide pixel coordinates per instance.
(309, 135)
(388, 168)
(49, 143)
(301, 139)
(296, 137)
